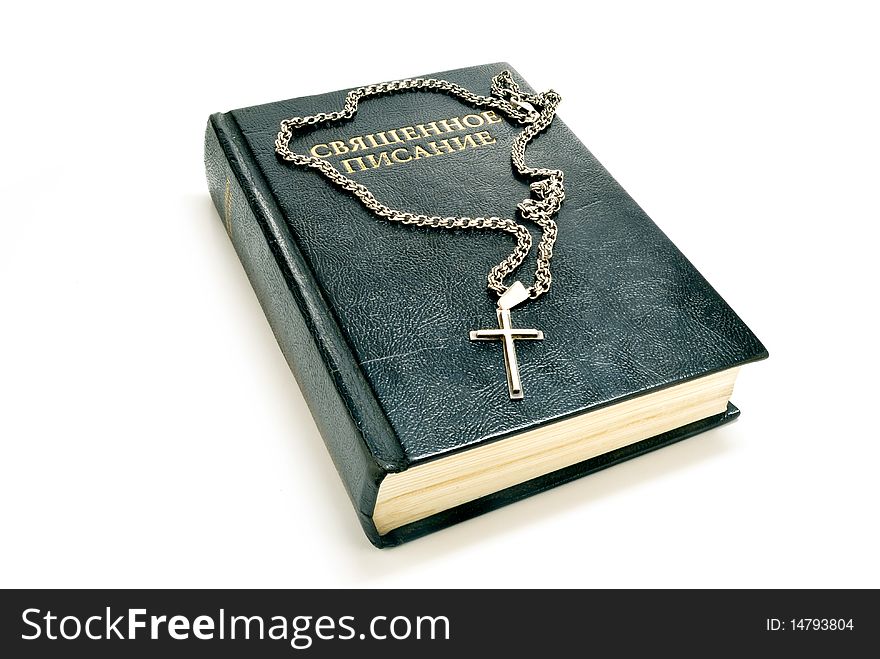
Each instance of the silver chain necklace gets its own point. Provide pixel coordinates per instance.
(533, 111)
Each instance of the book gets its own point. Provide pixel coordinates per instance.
(373, 317)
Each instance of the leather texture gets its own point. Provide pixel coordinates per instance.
(374, 317)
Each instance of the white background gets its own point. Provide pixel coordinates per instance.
(152, 434)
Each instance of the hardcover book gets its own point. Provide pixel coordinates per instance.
(375, 317)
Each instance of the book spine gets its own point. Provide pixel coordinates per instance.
(357, 433)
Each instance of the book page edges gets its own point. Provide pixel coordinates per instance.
(442, 484)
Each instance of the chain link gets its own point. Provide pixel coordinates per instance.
(534, 111)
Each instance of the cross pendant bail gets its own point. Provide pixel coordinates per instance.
(506, 333)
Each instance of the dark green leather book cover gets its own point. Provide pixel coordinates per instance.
(374, 317)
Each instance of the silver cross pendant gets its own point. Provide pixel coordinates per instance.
(507, 334)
